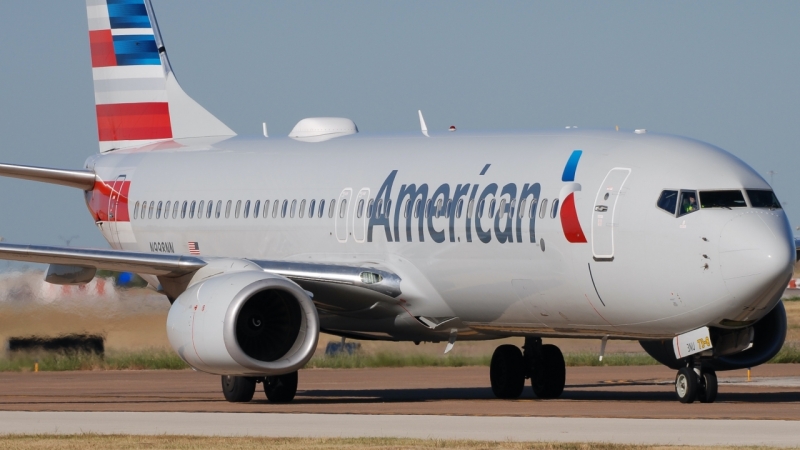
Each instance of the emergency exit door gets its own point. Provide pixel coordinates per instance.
(114, 201)
(604, 218)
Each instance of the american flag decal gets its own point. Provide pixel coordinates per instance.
(194, 249)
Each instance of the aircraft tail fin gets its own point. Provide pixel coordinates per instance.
(138, 100)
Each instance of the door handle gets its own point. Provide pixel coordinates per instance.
(601, 208)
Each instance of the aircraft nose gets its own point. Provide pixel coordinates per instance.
(757, 256)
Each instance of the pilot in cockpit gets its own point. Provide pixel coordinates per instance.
(689, 203)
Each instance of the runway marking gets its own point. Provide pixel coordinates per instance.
(549, 429)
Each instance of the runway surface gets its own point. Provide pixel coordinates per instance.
(549, 429)
(620, 392)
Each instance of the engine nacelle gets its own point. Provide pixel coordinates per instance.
(244, 323)
(730, 353)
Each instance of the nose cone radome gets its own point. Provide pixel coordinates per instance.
(757, 256)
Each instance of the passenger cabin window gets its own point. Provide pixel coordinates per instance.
(722, 199)
(210, 209)
(150, 210)
(191, 210)
(360, 209)
(688, 203)
(247, 209)
(311, 208)
(762, 198)
(166, 210)
(275, 206)
(369, 208)
(321, 208)
(256, 207)
(228, 208)
(532, 210)
(201, 209)
(668, 201)
(294, 207)
(301, 212)
(459, 207)
(158, 210)
(332, 208)
(175, 206)
(501, 209)
(284, 207)
(343, 208)
(218, 210)
(238, 209)
(470, 208)
(491, 208)
(183, 209)
(266, 208)
(543, 210)
(136, 210)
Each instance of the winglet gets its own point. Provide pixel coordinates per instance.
(422, 124)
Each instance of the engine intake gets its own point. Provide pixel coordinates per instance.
(244, 323)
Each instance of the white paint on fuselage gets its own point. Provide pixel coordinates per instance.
(656, 285)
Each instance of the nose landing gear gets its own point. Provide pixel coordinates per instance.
(696, 384)
(543, 364)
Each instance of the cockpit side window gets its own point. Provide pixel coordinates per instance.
(722, 199)
(762, 198)
(668, 201)
(688, 203)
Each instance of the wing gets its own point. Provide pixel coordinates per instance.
(337, 288)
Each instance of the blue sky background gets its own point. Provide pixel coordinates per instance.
(725, 72)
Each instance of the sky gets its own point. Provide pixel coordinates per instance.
(724, 72)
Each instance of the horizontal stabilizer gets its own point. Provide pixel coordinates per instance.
(121, 261)
(81, 179)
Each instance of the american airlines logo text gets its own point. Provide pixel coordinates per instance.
(162, 247)
(432, 208)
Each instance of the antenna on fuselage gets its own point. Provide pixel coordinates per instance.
(422, 124)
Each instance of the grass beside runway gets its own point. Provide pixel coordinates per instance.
(125, 442)
(164, 359)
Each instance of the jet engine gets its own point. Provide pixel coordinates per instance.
(248, 323)
(731, 348)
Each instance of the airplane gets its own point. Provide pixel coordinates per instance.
(261, 243)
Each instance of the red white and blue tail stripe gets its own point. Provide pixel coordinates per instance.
(137, 98)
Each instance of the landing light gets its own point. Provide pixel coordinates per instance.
(370, 277)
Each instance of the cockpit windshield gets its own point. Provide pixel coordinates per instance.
(688, 203)
(722, 199)
(762, 198)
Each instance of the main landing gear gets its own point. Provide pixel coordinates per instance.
(543, 364)
(696, 384)
(279, 389)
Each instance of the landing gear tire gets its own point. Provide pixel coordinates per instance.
(281, 388)
(238, 389)
(549, 373)
(507, 372)
(686, 385)
(707, 389)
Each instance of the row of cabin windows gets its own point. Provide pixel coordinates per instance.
(242, 209)
(208, 209)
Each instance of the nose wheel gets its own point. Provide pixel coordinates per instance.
(543, 364)
(696, 384)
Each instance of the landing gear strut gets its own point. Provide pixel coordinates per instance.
(543, 364)
(279, 388)
(696, 384)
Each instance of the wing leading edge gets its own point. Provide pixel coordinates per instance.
(336, 288)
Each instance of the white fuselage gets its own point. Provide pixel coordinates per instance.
(641, 272)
